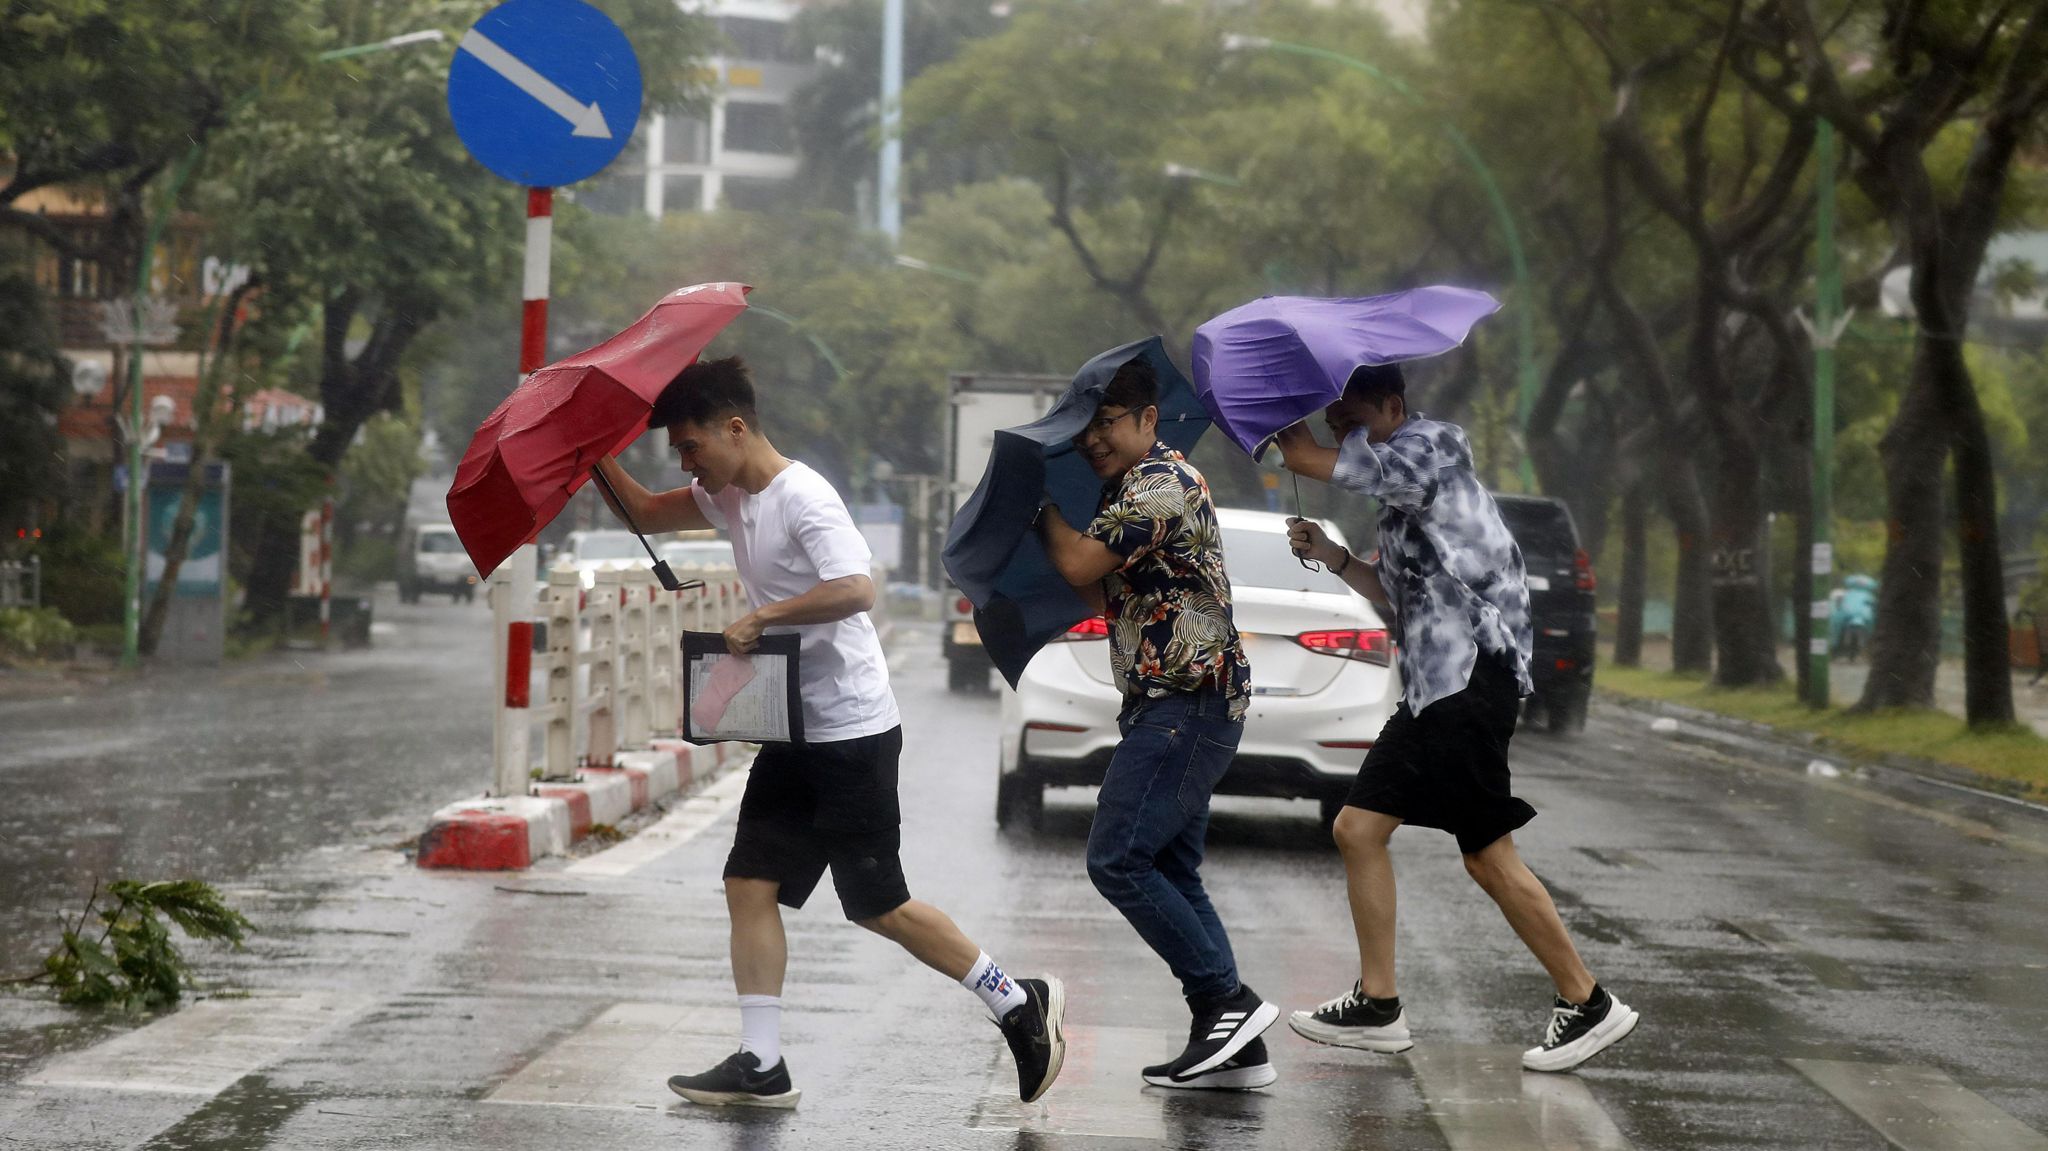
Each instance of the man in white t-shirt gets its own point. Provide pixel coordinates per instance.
(831, 800)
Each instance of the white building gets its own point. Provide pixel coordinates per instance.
(745, 151)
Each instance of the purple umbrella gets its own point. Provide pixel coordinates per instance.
(1262, 366)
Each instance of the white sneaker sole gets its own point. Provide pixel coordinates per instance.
(1621, 1020)
(1261, 1018)
(1389, 1040)
(783, 1101)
(1234, 1079)
(1056, 1030)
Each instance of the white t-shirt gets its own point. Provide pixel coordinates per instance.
(791, 537)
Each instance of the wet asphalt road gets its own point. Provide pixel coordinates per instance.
(1757, 916)
(220, 772)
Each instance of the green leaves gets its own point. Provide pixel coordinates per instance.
(131, 962)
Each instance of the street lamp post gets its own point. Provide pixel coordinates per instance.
(136, 545)
(1525, 328)
(798, 326)
(917, 265)
(1826, 331)
(888, 196)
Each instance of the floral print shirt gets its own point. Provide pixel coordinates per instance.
(1170, 626)
(1450, 567)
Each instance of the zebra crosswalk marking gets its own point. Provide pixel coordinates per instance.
(623, 1058)
(1482, 1100)
(202, 1049)
(1920, 1108)
(1098, 1094)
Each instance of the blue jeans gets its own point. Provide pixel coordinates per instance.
(1151, 817)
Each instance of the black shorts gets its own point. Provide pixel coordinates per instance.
(812, 806)
(1448, 767)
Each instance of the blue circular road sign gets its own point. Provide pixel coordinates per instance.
(544, 92)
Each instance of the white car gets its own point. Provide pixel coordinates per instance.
(696, 553)
(589, 552)
(1323, 684)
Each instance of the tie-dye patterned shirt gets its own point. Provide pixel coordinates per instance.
(1450, 567)
(1170, 626)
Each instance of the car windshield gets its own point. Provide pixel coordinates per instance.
(1541, 527)
(610, 546)
(1262, 559)
(439, 543)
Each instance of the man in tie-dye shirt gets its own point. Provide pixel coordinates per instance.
(1448, 576)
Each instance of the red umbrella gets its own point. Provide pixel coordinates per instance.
(528, 457)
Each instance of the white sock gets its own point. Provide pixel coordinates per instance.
(997, 991)
(761, 1028)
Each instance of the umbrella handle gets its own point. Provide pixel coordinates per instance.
(661, 568)
(1311, 565)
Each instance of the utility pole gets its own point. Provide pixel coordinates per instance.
(888, 206)
(1825, 330)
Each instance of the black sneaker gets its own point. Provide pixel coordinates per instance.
(1221, 1029)
(1247, 1069)
(1353, 1020)
(1577, 1032)
(740, 1082)
(1037, 1035)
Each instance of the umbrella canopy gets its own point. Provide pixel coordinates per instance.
(531, 454)
(1264, 365)
(1020, 600)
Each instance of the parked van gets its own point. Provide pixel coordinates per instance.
(432, 559)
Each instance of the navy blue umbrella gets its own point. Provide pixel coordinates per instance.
(1020, 600)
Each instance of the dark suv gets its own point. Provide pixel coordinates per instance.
(1560, 606)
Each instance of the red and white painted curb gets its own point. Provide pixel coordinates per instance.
(511, 832)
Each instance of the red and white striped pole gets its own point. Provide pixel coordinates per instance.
(533, 319)
(512, 596)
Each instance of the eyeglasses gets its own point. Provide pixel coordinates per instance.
(1100, 425)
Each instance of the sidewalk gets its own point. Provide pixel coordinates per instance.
(1845, 681)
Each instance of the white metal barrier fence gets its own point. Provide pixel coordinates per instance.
(611, 671)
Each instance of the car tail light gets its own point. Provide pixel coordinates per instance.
(1094, 627)
(1369, 644)
(1582, 570)
(964, 606)
(1567, 664)
(1046, 725)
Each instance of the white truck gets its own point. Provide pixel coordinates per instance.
(979, 404)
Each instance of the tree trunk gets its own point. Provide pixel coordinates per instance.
(1745, 634)
(1692, 601)
(277, 546)
(1905, 641)
(351, 391)
(1635, 568)
(1987, 663)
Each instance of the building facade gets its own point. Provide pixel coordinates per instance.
(743, 153)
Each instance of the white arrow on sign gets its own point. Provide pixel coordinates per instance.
(588, 119)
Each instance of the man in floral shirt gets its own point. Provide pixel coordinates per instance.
(1449, 575)
(1153, 559)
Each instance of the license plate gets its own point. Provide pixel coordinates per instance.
(964, 635)
(1537, 583)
